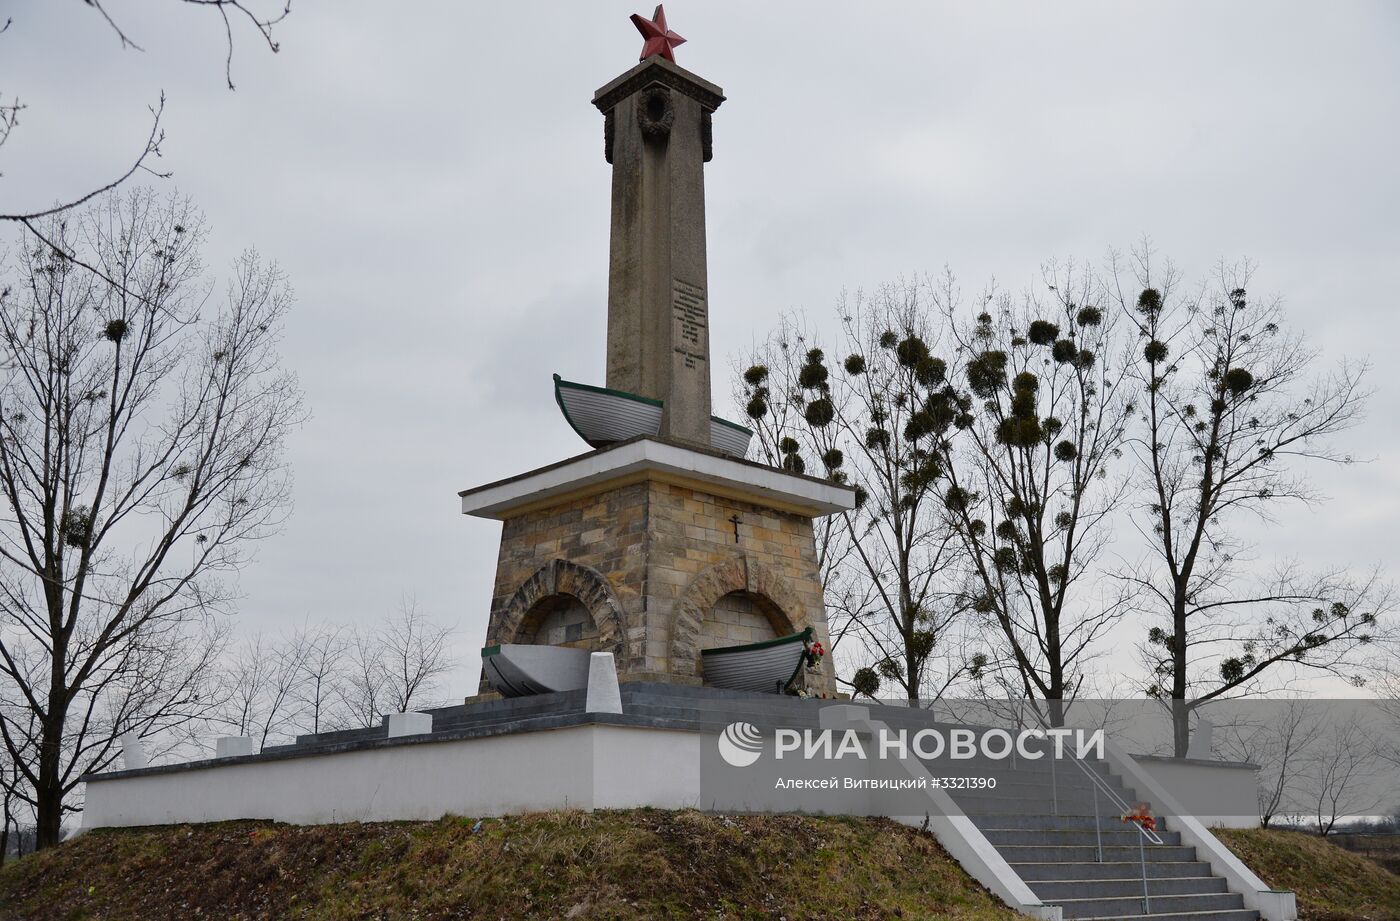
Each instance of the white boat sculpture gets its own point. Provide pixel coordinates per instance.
(522, 669)
(767, 667)
(602, 417)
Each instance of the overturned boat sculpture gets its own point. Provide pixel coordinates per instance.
(602, 417)
(767, 667)
(522, 669)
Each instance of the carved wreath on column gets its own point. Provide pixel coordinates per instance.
(655, 112)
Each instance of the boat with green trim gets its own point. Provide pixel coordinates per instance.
(767, 667)
(602, 416)
(522, 669)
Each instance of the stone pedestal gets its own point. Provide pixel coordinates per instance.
(653, 551)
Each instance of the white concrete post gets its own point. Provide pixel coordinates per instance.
(1202, 741)
(604, 696)
(133, 753)
(233, 746)
(410, 724)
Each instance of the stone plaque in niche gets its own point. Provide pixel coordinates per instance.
(690, 318)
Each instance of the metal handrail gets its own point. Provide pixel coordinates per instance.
(1099, 785)
(1097, 781)
(1114, 798)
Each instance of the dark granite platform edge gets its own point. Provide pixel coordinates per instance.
(1198, 762)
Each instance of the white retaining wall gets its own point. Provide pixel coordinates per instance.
(578, 767)
(1215, 793)
(592, 766)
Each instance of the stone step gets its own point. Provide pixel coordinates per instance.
(1060, 837)
(714, 698)
(1055, 890)
(486, 713)
(511, 707)
(1235, 914)
(719, 718)
(660, 689)
(992, 802)
(564, 700)
(1132, 907)
(458, 724)
(1076, 853)
(1018, 783)
(1022, 781)
(323, 740)
(1121, 869)
(1064, 787)
(1046, 768)
(1054, 822)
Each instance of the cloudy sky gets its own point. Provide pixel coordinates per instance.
(430, 175)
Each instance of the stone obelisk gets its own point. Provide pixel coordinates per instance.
(658, 548)
(657, 137)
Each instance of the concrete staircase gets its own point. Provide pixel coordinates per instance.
(1041, 819)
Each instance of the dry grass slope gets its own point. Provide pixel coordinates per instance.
(565, 865)
(1333, 884)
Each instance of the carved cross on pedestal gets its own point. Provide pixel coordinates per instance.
(734, 519)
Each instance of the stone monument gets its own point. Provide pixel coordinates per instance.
(657, 136)
(656, 546)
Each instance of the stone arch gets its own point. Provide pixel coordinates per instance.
(561, 577)
(740, 574)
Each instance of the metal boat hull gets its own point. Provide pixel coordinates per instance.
(765, 668)
(521, 669)
(602, 417)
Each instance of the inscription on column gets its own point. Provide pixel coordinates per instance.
(690, 320)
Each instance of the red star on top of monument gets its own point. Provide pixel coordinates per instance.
(659, 39)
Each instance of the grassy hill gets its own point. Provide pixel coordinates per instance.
(564, 865)
(1333, 884)
(630, 865)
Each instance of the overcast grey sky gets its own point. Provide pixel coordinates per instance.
(431, 177)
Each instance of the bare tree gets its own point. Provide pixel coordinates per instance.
(892, 583)
(1027, 471)
(35, 220)
(261, 697)
(363, 691)
(1284, 736)
(13, 804)
(395, 666)
(415, 656)
(1339, 772)
(1230, 407)
(141, 453)
(320, 691)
